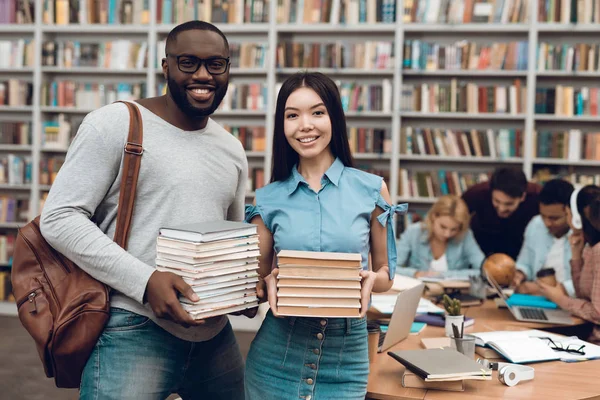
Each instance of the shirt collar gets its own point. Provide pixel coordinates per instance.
(333, 173)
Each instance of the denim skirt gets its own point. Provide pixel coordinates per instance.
(308, 358)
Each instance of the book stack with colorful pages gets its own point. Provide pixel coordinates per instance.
(318, 284)
(218, 259)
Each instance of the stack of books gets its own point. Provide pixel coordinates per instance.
(318, 284)
(218, 259)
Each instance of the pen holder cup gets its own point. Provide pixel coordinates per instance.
(453, 319)
(464, 345)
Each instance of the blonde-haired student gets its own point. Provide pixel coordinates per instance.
(442, 244)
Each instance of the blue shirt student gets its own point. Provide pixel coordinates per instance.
(463, 255)
(536, 247)
(334, 219)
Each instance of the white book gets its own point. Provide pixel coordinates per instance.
(232, 285)
(199, 255)
(209, 231)
(235, 277)
(208, 292)
(198, 307)
(221, 311)
(202, 267)
(207, 260)
(199, 246)
(210, 273)
(212, 298)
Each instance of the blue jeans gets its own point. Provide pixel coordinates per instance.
(136, 359)
(308, 358)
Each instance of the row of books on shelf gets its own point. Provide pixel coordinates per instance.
(15, 169)
(15, 92)
(249, 96)
(569, 11)
(579, 57)
(341, 54)
(251, 137)
(369, 140)
(572, 145)
(366, 97)
(13, 209)
(7, 248)
(501, 143)
(64, 12)
(58, 132)
(16, 11)
(87, 95)
(432, 184)
(49, 167)
(256, 179)
(464, 97)
(366, 11)
(465, 55)
(466, 11)
(542, 175)
(15, 133)
(567, 100)
(6, 287)
(350, 11)
(17, 53)
(114, 55)
(216, 11)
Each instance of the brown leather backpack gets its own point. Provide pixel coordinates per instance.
(63, 308)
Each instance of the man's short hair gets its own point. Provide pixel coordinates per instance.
(193, 25)
(511, 181)
(556, 191)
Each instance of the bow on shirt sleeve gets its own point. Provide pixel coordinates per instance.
(387, 219)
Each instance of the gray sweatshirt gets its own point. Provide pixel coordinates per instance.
(185, 176)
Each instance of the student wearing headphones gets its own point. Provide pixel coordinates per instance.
(443, 245)
(583, 215)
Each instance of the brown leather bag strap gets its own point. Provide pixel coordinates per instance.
(132, 160)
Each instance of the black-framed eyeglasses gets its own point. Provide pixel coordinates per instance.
(190, 64)
(571, 348)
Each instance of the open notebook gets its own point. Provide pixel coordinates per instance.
(533, 346)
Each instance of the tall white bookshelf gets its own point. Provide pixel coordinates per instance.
(271, 34)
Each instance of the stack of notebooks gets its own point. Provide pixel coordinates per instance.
(218, 259)
(318, 284)
(442, 369)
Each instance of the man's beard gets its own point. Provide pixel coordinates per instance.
(180, 98)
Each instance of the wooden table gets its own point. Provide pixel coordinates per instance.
(554, 380)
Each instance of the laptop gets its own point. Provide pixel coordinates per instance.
(532, 314)
(402, 318)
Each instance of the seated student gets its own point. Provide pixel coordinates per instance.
(584, 220)
(501, 209)
(546, 243)
(442, 245)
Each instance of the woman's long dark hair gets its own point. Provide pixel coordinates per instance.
(588, 206)
(284, 156)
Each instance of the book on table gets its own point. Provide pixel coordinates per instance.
(218, 259)
(411, 380)
(319, 284)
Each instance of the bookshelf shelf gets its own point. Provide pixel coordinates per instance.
(255, 154)
(8, 308)
(12, 225)
(372, 156)
(466, 73)
(575, 118)
(466, 159)
(17, 109)
(569, 74)
(96, 28)
(239, 113)
(225, 28)
(17, 28)
(5, 186)
(559, 161)
(66, 110)
(21, 70)
(418, 200)
(93, 70)
(15, 147)
(338, 71)
(5, 265)
(51, 150)
(550, 27)
(447, 115)
(465, 28)
(44, 188)
(368, 114)
(336, 28)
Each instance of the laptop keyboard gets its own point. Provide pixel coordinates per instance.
(533, 313)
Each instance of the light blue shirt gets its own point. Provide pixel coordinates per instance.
(335, 219)
(536, 245)
(463, 255)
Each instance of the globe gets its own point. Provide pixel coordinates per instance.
(501, 267)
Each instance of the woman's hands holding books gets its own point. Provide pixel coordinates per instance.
(367, 282)
(271, 283)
